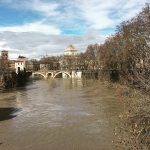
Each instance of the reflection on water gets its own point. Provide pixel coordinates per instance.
(59, 114)
(8, 113)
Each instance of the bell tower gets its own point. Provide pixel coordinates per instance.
(4, 59)
(4, 55)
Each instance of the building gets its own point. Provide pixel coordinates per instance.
(0, 65)
(50, 63)
(70, 51)
(21, 64)
(4, 60)
(12, 65)
(6, 65)
(32, 65)
(4, 55)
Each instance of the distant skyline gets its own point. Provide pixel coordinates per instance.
(34, 28)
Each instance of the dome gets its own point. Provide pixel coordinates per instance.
(71, 50)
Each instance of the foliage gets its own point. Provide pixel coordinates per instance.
(128, 51)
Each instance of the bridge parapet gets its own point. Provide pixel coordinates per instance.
(53, 73)
(39, 73)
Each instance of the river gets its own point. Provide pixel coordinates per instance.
(59, 114)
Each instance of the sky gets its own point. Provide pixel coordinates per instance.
(34, 28)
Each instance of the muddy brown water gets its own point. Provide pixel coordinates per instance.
(60, 114)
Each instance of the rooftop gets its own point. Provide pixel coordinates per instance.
(71, 48)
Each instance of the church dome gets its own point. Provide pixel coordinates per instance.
(70, 50)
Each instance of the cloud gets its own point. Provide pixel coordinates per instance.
(102, 14)
(47, 8)
(32, 27)
(35, 45)
(98, 14)
(60, 23)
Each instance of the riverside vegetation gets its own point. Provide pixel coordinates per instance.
(12, 80)
(133, 130)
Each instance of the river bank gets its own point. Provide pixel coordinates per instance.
(12, 80)
(133, 130)
(135, 78)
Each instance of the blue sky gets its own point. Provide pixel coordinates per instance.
(37, 27)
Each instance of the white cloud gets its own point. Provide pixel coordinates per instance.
(98, 14)
(47, 8)
(2, 43)
(35, 39)
(32, 27)
(34, 45)
(102, 14)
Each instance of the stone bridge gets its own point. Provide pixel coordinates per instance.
(53, 74)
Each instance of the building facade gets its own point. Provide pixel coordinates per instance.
(70, 51)
(4, 60)
(20, 64)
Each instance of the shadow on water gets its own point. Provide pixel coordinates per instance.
(8, 113)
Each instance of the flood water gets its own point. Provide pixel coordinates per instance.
(60, 114)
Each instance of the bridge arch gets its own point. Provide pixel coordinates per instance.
(49, 74)
(38, 73)
(61, 72)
